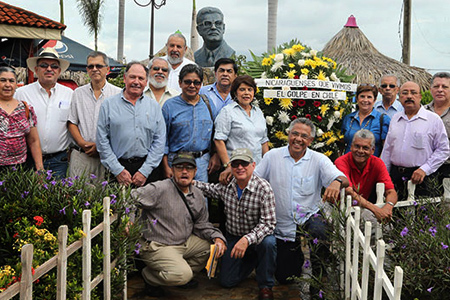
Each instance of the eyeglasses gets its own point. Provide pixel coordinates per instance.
(195, 82)
(210, 24)
(182, 167)
(237, 163)
(159, 68)
(391, 86)
(98, 66)
(5, 80)
(45, 66)
(301, 135)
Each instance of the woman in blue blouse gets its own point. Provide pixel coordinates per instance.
(366, 118)
(241, 124)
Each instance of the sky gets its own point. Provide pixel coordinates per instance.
(313, 23)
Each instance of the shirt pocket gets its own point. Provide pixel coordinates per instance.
(307, 186)
(206, 129)
(419, 140)
(180, 131)
(64, 114)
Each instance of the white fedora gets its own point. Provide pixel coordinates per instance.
(49, 53)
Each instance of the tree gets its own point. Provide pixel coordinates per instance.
(272, 25)
(90, 11)
(120, 33)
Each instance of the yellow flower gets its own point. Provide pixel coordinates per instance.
(49, 237)
(286, 103)
(272, 56)
(276, 77)
(328, 153)
(341, 111)
(311, 63)
(281, 136)
(291, 65)
(289, 52)
(324, 108)
(298, 47)
(82, 233)
(331, 140)
(305, 71)
(270, 145)
(321, 76)
(268, 101)
(290, 74)
(267, 61)
(257, 90)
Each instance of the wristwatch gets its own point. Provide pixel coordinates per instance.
(226, 165)
(338, 180)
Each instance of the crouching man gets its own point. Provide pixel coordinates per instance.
(176, 233)
(250, 210)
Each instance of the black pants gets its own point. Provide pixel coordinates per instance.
(430, 186)
(133, 165)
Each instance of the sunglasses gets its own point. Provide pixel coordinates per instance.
(182, 167)
(90, 67)
(159, 68)
(388, 85)
(195, 82)
(235, 164)
(45, 66)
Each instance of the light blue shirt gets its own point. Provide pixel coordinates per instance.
(239, 130)
(297, 186)
(214, 96)
(125, 130)
(189, 127)
(391, 111)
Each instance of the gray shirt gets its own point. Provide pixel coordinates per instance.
(84, 108)
(165, 217)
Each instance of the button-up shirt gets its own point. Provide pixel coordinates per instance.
(175, 73)
(168, 93)
(297, 186)
(166, 219)
(253, 214)
(126, 130)
(239, 130)
(213, 95)
(391, 111)
(445, 118)
(417, 142)
(52, 114)
(189, 127)
(85, 108)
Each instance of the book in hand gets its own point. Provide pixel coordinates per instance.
(211, 265)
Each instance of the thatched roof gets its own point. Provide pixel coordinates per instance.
(353, 50)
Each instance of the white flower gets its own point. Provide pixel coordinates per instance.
(318, 145)
(313, 52)
(269, 120)
(306, 54)
(327, 79)
(285, 88)
(301, 62)
(319, 132)
(303, 77)
(279, 57)
(276, 66)
(263, 75)
(284, 117)
(330, 123)
(334, 77)
(337, 114)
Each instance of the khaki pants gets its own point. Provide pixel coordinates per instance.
(82, 164)
(173, 265)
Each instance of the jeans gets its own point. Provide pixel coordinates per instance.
(58, 164)
(261, 256)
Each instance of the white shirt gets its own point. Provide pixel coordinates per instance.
(174, 73)
(52, 114)
(168, 93)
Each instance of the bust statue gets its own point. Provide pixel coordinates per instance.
(211, 28)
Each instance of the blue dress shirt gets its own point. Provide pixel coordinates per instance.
(391, 111)
(214, 96)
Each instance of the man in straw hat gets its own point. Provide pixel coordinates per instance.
(51, 101)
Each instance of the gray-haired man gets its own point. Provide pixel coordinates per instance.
(158, 79)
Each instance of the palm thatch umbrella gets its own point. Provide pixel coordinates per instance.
(353, 50)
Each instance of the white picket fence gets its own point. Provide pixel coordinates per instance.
(25, 286)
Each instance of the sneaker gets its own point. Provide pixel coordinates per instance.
(265, 294)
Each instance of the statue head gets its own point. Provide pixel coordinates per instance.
(210, 24)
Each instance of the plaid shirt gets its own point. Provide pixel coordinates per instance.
(13, 131)
(253, 215)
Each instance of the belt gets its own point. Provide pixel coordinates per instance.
(51, 155)
(199, 153)
(78, 148)
(132, 159)
(405, 170)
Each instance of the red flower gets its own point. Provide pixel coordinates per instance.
(304, 88)
(308, 116)
(296, 77)
(294, 104)
(316, 103)
(319, 118)
(15, 235)
(39, 220)
(294, 117)
(301, 103)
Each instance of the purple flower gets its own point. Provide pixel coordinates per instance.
(405, 178)
(25, 193)
(307, 264)
(86, 204)
(137, 247)
(444, 246)
(302, 215)
(93, 176)
(49, 175)
(354, 202)
(427, 219)
(113, 196)
(404, 232)
(1, 183)
(113, 201)
(415, 203)
(404, 246)
(316, 215)
(63, 210)
(447, 226)
(76, 177)
(298, 208)
(79, 191)
(154, 221)
(104, 183)
(320, 294)
(45, 186)
(429, 289)
(315, 241)
(75, 212)
(69, 183)
(127, 210)
(14, 168)
(53, 182)
(433, 231)
(423, 208)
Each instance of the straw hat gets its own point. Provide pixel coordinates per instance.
(49, 53)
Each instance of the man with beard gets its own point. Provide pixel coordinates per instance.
(211, 27)
(131, 132)
(225, 70)
(176, 48)
(416, 145)
(157, 81)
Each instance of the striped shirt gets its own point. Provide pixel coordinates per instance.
(253, 214)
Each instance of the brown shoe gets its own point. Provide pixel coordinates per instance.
(265, 294)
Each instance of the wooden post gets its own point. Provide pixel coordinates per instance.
(61, 281)
(406, 31)
(26, 283)
(106, 249)
(366, 260)
(378, 288)
(86, 295)
(355, 259)
(398, 282)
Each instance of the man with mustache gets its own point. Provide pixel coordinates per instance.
(51, 102)
(416, 145)
(176, 49)
(131, 132)
(157, 81)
